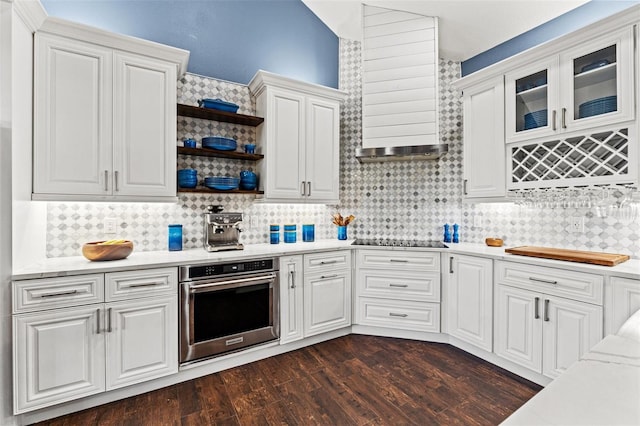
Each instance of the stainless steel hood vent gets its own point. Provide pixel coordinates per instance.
(398, 153)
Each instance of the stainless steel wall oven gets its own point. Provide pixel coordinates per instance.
(225, 307)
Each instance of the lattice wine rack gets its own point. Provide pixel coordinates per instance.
(599, 158)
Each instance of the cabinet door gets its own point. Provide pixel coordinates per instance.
(518, 327)
(291, 302)
(624, 301)
(322, 150)
(470, 300)
(327, 302)
(597, 81)
(285, 149)
(58, 356)
(484, 147)
(144, 127)
(570, 329)
(531, 101)
(72, 117)
(142, 340)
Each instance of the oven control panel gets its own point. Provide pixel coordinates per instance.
(204, 271)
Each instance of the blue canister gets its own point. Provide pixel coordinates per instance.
(447, 233)
(290, 233)
(342, 232)
(175, 237)
(189, 143)
(308, 232)
(274, 234)
(456, 233)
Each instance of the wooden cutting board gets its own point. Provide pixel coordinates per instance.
(592, 257)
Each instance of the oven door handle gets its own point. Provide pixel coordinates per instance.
(193, 288)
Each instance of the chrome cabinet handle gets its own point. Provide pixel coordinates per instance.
(546, 309)
(151, 284)
(540, 280)
(109, 320)
(115, 176)
(537, 302)
(553, 120)
(308, 189)
(398, 260)
(327, 262)
(564, 118)
(392, 314)
(106, 180)
(292, 279)
(324, 277)
(464, 187)
(302, 189)
(98, 319)
(62, 293)
(451, 265)
(399, 285)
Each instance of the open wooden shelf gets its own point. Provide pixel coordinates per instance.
(217, 115)
(205, 190)
(204, 152)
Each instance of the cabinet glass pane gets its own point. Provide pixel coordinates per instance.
(531, 101)
(595, 83)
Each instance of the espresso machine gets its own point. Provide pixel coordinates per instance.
(221, 230)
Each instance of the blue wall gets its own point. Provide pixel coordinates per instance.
(564, 24)
(228, 39)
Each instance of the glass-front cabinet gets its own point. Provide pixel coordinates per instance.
(587, 86)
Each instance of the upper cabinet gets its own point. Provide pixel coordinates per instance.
(300, 139)
(104, 116)
(588, 85)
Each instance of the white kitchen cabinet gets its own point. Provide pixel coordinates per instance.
(300, 138)
(484, 149)
(58, 356)
(542, 331)
(622, 300)
(104, 118)
(142, 340)
(583, 87)
(470, 300)
(62, 354)
(291, 299)
(398, 289)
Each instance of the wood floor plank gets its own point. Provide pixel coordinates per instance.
(353, 380)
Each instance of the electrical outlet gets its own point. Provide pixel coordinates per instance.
(576, 224)
(254, 221)
(110, 225)
(477, 222)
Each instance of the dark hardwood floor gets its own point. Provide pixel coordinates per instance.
(353, 380)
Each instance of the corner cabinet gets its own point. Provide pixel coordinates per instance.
(105, 118)
(300, 139)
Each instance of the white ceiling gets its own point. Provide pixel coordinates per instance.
(466, 27)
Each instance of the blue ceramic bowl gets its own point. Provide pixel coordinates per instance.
(250, 148)
(189, 143)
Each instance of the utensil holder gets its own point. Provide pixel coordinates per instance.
(342, 232)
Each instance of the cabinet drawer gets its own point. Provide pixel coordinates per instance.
(399, 285)
(145, 283)
(326, 261)
(558, 282)
(50, 293)
(405, 315)
(399, 260)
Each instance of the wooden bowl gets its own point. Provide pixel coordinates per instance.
(494, 242)
(98, 252)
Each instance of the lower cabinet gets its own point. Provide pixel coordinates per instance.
(470, 300)
(398, 289)
(315, 294)
(542, 332)
(64, 354)
(622, 301)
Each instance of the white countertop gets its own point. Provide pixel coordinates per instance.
(63, 266)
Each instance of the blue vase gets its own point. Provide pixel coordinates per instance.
(342, 232)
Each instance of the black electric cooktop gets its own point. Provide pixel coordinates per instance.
(380, 242)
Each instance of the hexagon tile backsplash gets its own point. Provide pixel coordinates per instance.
(390, 200)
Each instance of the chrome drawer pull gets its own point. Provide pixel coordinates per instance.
(143, 285)
(399, 285)
(292, 279)
(62, 293)
(106, 180)
(537, 302)
(328, 262)
(540, 280)
(399, 260)
(546, 309)
(392, 314)
(98, 319)
(324, 277)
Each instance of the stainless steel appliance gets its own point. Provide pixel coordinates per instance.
(382, 242)
(227, 306)
(221, 230)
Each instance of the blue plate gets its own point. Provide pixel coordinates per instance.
(218, 104)
(598, 106)
(220, 143)
(594, 65)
